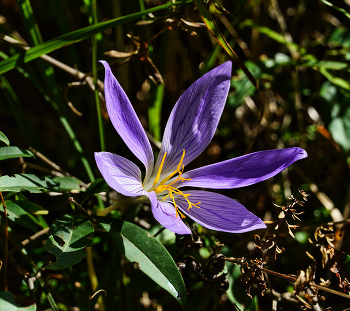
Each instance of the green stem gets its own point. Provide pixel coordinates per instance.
(50, 83)
(78, 147)
(142, 7)
(95, 78)
(127, 201)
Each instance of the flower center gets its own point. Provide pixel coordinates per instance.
(172, 190)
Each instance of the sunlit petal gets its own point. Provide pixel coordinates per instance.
(125, 120)
(165, 214)
(120, 174)
(219, 212)
(242, 171)
(194, 118)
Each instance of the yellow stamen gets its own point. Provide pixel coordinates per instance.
(177, 170)
(162, 187)
(159, 171)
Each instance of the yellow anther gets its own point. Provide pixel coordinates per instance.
(177, 209)
(162, 187)
(180, 163)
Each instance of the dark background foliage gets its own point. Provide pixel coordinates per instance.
(298, 51)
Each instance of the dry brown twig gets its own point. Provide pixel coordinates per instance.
(266, 249)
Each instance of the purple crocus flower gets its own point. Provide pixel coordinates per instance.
(190, 128)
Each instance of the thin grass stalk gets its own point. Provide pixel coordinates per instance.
(154, 113)
(95, 78)
(48, 78)
(76, 36)
(142, 7)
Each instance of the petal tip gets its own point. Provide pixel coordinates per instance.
(106, 65)
(183, 231)
(227, 65)
(225, 68)
(300, 153)
(97, 156)
(253, 223)
(260, 225)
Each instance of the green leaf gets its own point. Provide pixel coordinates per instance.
(14, 152)
(340, 130)
(326, 65)
(27, 182)
(19, 216)
(98, 186)
(34, 211)
(336, 80)
(73, 37)
(346, 262)
(336, 113)
(242, 85)
(4, 139)
(215, 31)
(337, 8)
(7, 302)
(270, 33)
(152, 257)
(30, 207)
(340, 37)
(26, 12)
(67, 183)
(75, 235)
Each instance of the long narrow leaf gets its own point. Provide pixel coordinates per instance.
(47, 75)
(14, 152)
(73, 37)
(336, 80)
(94, 41)
(270, 33)
(4, 139)
(347, 14)
(214, 30)
(26, 12)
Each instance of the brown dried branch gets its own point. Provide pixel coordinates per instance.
(27, 241)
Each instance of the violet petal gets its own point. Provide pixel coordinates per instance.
(194, 118)
(120, 174)
(165, 214)
(218, 212)
(242, 171)
(125, 120)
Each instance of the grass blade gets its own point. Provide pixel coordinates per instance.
(347, 14)
(95, 78)
(51, 86)
(4, 139)
(214, 30)
(73, 37)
